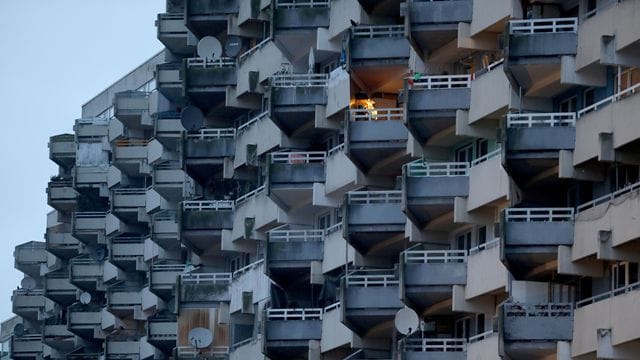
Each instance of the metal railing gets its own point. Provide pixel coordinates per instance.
(377, 31)
(299, 80)
(442, 81)
(167, 267)
(419, 168)
(336, 149)
(205, 134)
(210, 63)
(90, 215)
(290, 4)
(250, 194)
(259, 45)
(484, 246)
(611, 99)
(608, 294)
(206, 278)
(244, 269)
(255, 119)
(296, 235)
(541, 26)
(434, 345)
(488, 69)
(372, 277)
(382, 114)
(434, 256)
(189, 352)
(541, 120)
(374, 197)
(538, 214)
(200, 205)
(480, 337)
(538, 310)
(608, 197)
(335, 305)
(334, 228)
(131, 142)
(495, 153)
(294, 314)
(130, 191)
(298, 157)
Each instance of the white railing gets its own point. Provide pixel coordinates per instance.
(295, 314)
(167, 268)
(495, 153)
(189, 352)
(200, 205)
(255, 119)
(434, 345)
(296, 235)
(372, 277)
(542, 26)
(376, 114)
(249, 195)
(206, 278)
(541, 120)
(608, 197)
(130, 191)
(299, 80)
(446, 169)
(608, 294)
(243, 270)
(434, 256)
(485, 246)
(336, 149)
(374, 197)
(92, 121)
(538, 214)
(208, 63)
(443, 81)
(298, 157)
(334, 228)
(487, 69)
(205, 134)
(290, 4)
(611, 99)
(333, 306)
(25, 292)
(259, 45)
(538, 310)
(377, 31)
(90, 215)
(480, 337)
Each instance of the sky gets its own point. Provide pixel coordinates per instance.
(54, 57)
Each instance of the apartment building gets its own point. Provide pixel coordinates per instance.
(287, 175)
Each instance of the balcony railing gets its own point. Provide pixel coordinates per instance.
(488, 69)
(295, 314)
(298, 157)
(296, 235)
(431, 82)
(290, 4)
(485, 246)
(372, 277)
(188, 352)
(250, 194)
(167, 268)
(480, 337)
(130, 191)
(611, 99)
(201, 205)
(434, 345)
(377, 31)
(253, 120)
(421, 169)
(608, 294)
(244, 269)
(206, 278)
(299, 80)
(336, 149)
(543, 26)
(538, 310)
(539, 214)
(131, 142)
(376, 114)
(258, 46)
(333, 228)
(495, 153)
(374, 197)
(608, 197)
(541, 120)
(210, 63)
(206, 134)
(434, 256)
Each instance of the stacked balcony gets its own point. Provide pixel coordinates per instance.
(294, 98)
(132, 108)
(28, 303)
(533, 330)
(29, 257)
(61, 195)
(370, 300)
(131, 156)
(428, 276)
(174, 35)
(86, 273)
(202, 223)
(127, 252)
(290, 253)
(203, 289)
(206, 18)
(430, 189)
(288, 331)
(172, 182)
(129, 204)
(292, 175)
(89, 227)
(60, 242)
(415, 348)
(169, 81)
(123, 300)
(62, 150)
(206, 150)
(376, 140)
(434, 24)
(296, 23)
(168, 129)
(432, 104)
(27, 347)
(127, 344)
(206, 80)
(165, 230)
(162, 331)
(85, 321)
(59, 289)
(163, 278)
(209, 353)
(56, 335)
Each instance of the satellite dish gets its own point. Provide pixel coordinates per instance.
(192, 118)
(407, 321)
(209, 48)
(18, 330)
(100, 253)
(85, 298)
(28, 283)
(200, 337)
(233, 46)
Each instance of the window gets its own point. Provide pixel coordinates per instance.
(623, 274)
(479, 324)
(568, 105)
(323, 221)
(482, 148)
(465, 153)
(482, 235)
(626, 78)
(589, 97)
(462, 328)
(590, 8)
(463, 241)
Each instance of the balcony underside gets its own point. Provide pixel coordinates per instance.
(89, 237)
(65, 205)
(530, 350)
(207, 24)
(435, 355)
(86, 332)
(292, 195)
(288, 272)
(421, 211)
(30, 313)
(528, 262)
(384, 75)
(377, 147)
(376, 239)
(177, 43)
(62, 297)
(203, 242)
(132, 167)
(423, 125)
(423, 297)
(287, 349)
(65, 252)
(529, 169)
(167, 241)
(172, 91)
(297, 42)
(87, 283)
(163, 343)
(122, 311)
(129, 215)
(370, 310)
(128, 263)
(163, 291)
(62, 344)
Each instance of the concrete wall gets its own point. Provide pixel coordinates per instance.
(334, 333)
(297, 18)
(207, 219)
(388, 130)
(376, 214)
(374, 297)
(253, 280)
(265, 134)
(487, 349)
(298, 251)
(341, 13)
(437, 187)
(379, 48)
(296, 173)
(435, 274)
(335, 247)
(541, 138)
(283, 96)
(293, 330)
(485, 273)
(340, 172)
(338, 91)
(538, 233)
(440, 12)
(211, 76)
(527, 328)
(488, 182)
(215, 148)
(487, 13)
(541, 44)
(491, 95)
(439, 99)
(265, 61)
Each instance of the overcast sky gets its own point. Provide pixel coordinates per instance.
(54, 56)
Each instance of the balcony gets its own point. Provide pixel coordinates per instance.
(56, 336)
(288, 331)
(169, 81)
(86, 273)
(61, 243)
(61, 195)
(531, 237)
(174, 35)
(164, 229)
(430, 189)
(90, 129)
(85, 321)
(89, 227)
(206, 18)
(123, 300)
(59, 289)
(127, 344)
(376, 140)
(415, 348)
(206, 150)
(29, 257)
(374, 221)
(210, 353)
(129, 204)
(428, 276)
(433, 24)
(171, 182)
(533, 143)
(133, 110)
(371, 300)
(432, 103)
(29, 304)
(62, 150)
(294, 98)
(94, 176)
(534, 328)
(296, 23)
(28, 346)
(206, 81)
(162, 332)
(203, 222)
(203, 289)
(292, 175)
(290, 253)
(534, 47)
(127, 252)
(168, 129)
(131, 157)
(163, 279)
